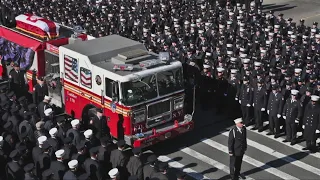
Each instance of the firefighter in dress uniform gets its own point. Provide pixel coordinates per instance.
(237, 146)
(259, 104)
(292, 112)
(311, 123)
(18, 81)
(221, 89)
(245, 96)
(40, 90)
(274, 110)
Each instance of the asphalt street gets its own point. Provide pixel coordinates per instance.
(203, 154)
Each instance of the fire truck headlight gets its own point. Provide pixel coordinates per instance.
(139, 116)
(188, 118)
(178, 103)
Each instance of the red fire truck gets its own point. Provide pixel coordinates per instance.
(141, 93)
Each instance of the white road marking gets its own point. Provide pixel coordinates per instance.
(192, 173)
(279, 155)
(208, 160)
(251, 161)
(280, 139)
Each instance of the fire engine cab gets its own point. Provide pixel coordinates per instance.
(140, 92)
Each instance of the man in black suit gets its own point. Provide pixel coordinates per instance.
(259, 104)
(237, 145)
(18, 80)
(40, 91)
(274, 110)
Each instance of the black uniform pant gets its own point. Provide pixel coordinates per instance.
(235, 166)
(291, 131)
(311, 143)
(258, 118)
(245, 114)
(274, 124)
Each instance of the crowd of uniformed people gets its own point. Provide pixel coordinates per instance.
(37, 144)
(257, 64)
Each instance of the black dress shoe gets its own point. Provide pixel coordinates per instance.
(254, 128)
(285, 140)
(270, 133)
(292, 143)
(276, 136)
(260, 130)
(305, 148)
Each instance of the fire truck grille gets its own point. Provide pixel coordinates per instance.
(159, 108)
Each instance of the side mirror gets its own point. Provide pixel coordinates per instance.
(114, 91)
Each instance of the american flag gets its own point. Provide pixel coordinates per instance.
(85, 77)
(71, 68)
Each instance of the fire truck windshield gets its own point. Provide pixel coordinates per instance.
(152, 86)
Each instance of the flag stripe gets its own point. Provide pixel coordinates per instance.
(71, 68)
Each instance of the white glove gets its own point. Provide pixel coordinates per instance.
(236, 99)
(268, 111)
(278, 115)
(317, 131)
(284, 117)
(248, 105)
(239, 101)
(296, 121)
(253, 105)
(263, 109)
(302, 126)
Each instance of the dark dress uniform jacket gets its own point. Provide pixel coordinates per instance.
(118, 158)
(148, 171)
(28, 176)
(292, 111)
(237, 143)
(160, 176)
(58, 169)
(274, 104)
(75, 136)
(44, 161)
(260, 98)
(245, 95)
(69, 175)
(40, 92)
(311, 121)
(17, 78)
(14, 171)
(92, 168)
(135, 167)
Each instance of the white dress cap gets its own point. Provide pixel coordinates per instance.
(229, 52)
(263, 51)
(304, 36)
(242, 49)
(166, 27)
(266, 30)
(153, 35)
(113, 173)
(257, 63)
(317, 35)
(59, 153)
(241, 29)
(207, 24)
(231, 13)
(206, 66)
(88, 133)
(293, 36)
(200, 31)
(75, 122)
(229, 45)
(220, 69)
(242, 24)
(243, 55)
(294, 92)
(246, 61)
(47, 97)
(48, 112)
(176, 25)
(234, 71)
(238, 120)
(233, 59)
(229, 22)
(73, 164)
(277, 26)
(198, 20)
(110, 15)
(313, 30)
(193, 25)
(271, 33)
(53, 131)
(290, 32)
(208, 54)
(1, 138)
(186, 22)
(240, 12)
(267, 42)
(315, 98)
(297, 70)
(42, 139)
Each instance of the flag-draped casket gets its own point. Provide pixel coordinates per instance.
(37, 26)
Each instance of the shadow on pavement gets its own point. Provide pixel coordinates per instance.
(277, 8)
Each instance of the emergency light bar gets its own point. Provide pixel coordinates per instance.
(149, 63)
(164, 56)
(123, 67)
